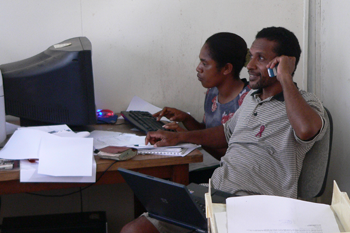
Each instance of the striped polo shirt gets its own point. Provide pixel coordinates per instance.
(264, 155)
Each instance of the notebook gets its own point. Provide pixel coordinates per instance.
(163, 151)
(172, 202)
(184, 150)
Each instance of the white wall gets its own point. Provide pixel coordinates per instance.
(333, 80)
(145, 48)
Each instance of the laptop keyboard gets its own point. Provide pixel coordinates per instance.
(143, 120)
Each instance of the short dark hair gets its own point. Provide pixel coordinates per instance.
(287, 42)
(226, 47)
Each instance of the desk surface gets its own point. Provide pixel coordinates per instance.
(173, 168)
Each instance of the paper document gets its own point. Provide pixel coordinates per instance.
(29, 173)
(59, 151)
(273, 214)
(220, 221)
(62, 156)
(23, 144)
(104, 139)
(138, 104)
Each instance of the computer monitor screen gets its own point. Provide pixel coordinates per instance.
(52, 87)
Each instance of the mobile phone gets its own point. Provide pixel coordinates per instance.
(272, 72)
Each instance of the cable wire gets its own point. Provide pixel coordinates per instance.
(80, 189)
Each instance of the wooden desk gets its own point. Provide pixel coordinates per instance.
(173, 168)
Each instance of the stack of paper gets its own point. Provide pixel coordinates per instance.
(59, 154)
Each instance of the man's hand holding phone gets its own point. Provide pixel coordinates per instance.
(283, 64)
(272, 71)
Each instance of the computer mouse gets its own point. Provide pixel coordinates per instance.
(104, 113)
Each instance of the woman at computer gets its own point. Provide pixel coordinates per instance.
(222, 58)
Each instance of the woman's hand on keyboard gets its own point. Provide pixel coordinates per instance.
(172, 114)
(174, 126)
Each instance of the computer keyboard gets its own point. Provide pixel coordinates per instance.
(143, 120)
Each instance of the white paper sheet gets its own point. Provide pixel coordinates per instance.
(221, 222)
(29, 173)
(273, 214)
(61, 153)
(23, 144)
(138, 104)
(103, 139)
(62, 156)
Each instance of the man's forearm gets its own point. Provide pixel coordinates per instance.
(304, 119)
(210, 137)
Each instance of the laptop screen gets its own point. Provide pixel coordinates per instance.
(166, 200)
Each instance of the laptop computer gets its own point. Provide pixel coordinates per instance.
(172, 202)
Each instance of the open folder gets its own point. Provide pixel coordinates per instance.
(250, 214)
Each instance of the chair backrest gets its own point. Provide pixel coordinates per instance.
(312, 180)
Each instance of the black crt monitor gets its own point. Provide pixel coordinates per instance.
(53, 87)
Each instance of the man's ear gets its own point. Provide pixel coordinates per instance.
(228, 68)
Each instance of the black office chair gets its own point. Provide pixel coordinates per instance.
(313, 177)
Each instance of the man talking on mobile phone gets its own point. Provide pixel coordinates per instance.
(268, 136)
